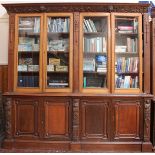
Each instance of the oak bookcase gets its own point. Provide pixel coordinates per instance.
(79, 77)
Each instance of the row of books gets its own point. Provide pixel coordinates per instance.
(128, 26)
(58, 25)
(98, 64)
(127, 65)
(89, 26)
(58, 45)
(99, 82)
(126, 81)
(97, 44)
(58, 82)
(28, 81)
(28, 44)
(25, 61)
(30, 24)
(130, 47)
(29, 68)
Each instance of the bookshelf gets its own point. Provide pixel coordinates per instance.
(78, 77)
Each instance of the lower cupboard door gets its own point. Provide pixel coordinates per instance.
(94, 118)
(127, 120)
(57, 119)
(26, 118)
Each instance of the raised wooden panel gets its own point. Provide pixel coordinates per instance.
(3, 78)
(57, 118)
(26, 117)
(127, 120)
(94, 119)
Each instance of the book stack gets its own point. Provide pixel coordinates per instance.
(97, 44)
(33, 68)
(89, 64)
(132, 45)
(125, 29)
(28, 81)
(25, 61)
(120, 49)
(27, 44)
(127, 65)
(94, 82)
(126, 81)
(101, 63)
(22, 68)
(58, 82)
(58, 45)
(58, 25)
(30, 24)
(89, 26)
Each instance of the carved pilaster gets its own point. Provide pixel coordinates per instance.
(76, 119)
(146, 49)
(147, 108)
(11, 52)
(76, 51)
(8, 109)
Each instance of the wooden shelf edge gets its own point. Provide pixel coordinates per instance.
(54, 94)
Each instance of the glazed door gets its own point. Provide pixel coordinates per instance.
(58, 52)
(127, 52)
(94, 52)
(28, 53)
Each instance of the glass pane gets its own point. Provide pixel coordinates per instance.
(126, 52)
(28, 51)
(95, 52)
(58, 52)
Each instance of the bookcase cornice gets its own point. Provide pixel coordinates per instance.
(76, 7)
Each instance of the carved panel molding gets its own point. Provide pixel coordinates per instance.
(94, 119)
(75, 7)
(124, 110)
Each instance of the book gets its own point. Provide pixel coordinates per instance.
(50, 67)
(58, 45)
(34, 68)
(54, 61)
(22, 68)
(58, 25)
(59, 68)
(126, 82)
(89, 64)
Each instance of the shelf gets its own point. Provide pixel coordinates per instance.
(129, 73)
(28, 71)
(94, 72)
(126, 18)
(127, 53)
(57, 71)
(51, 52)
(132, 34)
(94, 34)
(28, 33)
(25, 52)
(57, 34)
(100, 53)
